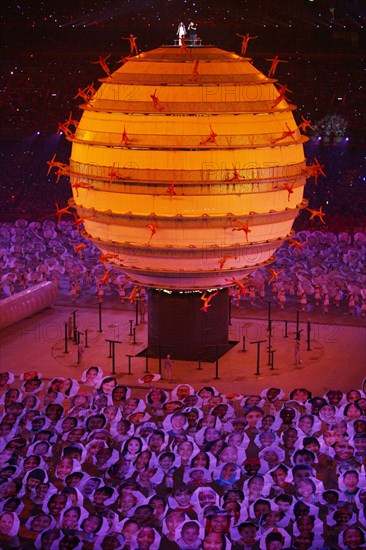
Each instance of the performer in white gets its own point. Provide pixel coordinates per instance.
(181, 32)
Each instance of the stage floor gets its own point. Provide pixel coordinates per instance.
(336, 358)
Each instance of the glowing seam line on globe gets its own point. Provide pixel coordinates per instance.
(145, 188)
(138, 109)
(187, 146)
(217, 251)
(139, 220)
(298, 168)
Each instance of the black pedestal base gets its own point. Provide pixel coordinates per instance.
(178, 326)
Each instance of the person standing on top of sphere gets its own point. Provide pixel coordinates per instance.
(192, 27)
(181, 31)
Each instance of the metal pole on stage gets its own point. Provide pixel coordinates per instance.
(113, 358)
(308, 335)
(112, 352)
(269, 341)
(74, 325)
(272, 359)
(258, 342)
(136, 312)
(217, 364)
(100, 316)
(86, 338)
(131, 323)
(159, 351)
(129, 363)
(66, 338)
(269, 316)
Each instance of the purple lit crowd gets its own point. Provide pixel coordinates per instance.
(92, 464)
(315, 271)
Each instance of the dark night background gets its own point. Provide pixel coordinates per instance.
(48, 49)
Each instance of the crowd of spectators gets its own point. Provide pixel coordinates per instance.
(91, 464)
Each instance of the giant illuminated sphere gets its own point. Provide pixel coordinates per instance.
(188, 169)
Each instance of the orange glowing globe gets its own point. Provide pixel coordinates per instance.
(188, 169)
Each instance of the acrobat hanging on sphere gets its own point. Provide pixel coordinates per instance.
(61, 211)
(86, 93)
(317, 214)
(245, 42)
(171, 190)
(286, 133)
(152, 228)
(282, 91)
(103, 63)
(223, 261)
(105, 258)
(236, 176)
(242, 227)
(273, 67)
(305, 124)
(195, 73)
(183, 47)
(315, 170)
(207, 300)
(124, 140)
(211, 138)
(156, 103)
(290, 189)
(53, 164)
(133, 46)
